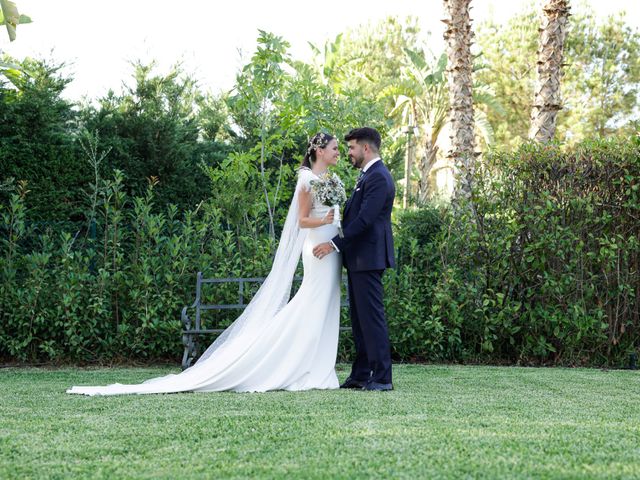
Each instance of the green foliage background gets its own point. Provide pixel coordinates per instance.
(547, 273)
(109, 208)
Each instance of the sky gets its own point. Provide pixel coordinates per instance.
(213, 39)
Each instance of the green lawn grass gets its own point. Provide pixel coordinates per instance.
(440, 422)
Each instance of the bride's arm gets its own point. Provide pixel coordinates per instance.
(304, 220)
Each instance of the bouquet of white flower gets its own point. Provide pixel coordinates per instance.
(329, 190)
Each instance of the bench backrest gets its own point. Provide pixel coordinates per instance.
(240, 305)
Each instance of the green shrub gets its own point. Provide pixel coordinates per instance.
(37, 130)
(409, 287)
(546, 270)
(118, 295)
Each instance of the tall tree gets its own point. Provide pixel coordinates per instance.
(368, 58)
(160, 126)
(600, 82)
(458, 36)
(369, 63)
(260, 84)
(37, 141)
(421, 99)
(506, 49)
(547, 100)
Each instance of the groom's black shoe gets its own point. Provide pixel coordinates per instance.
(354, 384)
(378, 387)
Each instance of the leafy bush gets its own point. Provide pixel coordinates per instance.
(37, 130)
(164, 127)
(118, 295)
(544, 267)
(409, 288)
(542, 270)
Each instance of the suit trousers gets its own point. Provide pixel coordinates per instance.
(369, 325)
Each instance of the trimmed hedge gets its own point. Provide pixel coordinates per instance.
(545, 268)
(542, 268)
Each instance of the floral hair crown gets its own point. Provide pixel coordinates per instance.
(319, 140)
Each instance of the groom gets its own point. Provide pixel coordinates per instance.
(367, 250)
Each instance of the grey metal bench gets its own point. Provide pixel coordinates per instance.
(193, 329)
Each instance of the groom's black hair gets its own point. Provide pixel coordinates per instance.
(365, 134)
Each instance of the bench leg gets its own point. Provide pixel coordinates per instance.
(190, 342)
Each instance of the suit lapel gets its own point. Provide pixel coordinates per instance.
(347, 205)
(353, 194)
(360, 184)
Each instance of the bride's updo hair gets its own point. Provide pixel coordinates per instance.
(319, 140)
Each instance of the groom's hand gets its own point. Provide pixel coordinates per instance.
(322, 250)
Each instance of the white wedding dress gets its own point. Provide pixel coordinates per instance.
(274, 344)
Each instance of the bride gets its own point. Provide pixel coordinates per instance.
(275, 344)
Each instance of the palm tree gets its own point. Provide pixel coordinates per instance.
(420, 101)
(547, 99)
(458, 35)
(332, 64)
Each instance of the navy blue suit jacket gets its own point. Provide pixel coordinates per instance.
(368, 243)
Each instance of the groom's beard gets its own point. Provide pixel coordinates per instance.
(356, 162)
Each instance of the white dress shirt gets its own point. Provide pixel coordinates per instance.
(368, 165)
